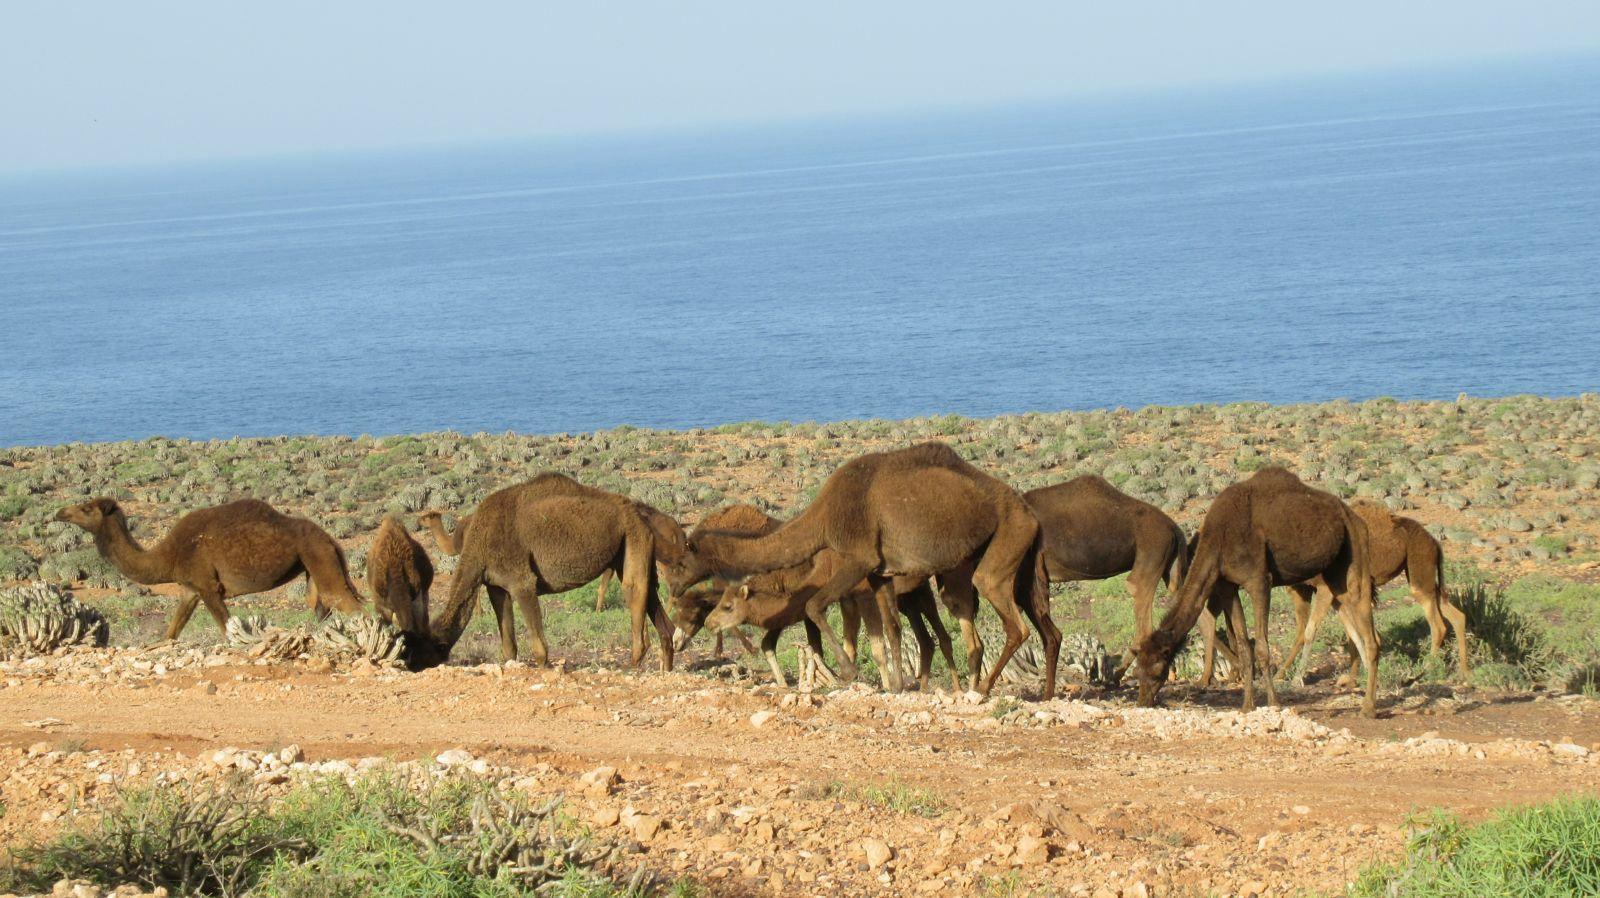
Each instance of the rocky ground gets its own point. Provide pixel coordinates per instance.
(753, 790)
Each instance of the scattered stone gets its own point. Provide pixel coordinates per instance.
(877, 852)
(762, 718)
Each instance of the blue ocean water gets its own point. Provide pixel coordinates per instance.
(1412, 235)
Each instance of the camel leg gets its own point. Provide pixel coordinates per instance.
(924, 604)
(875, 633)
(1036, 606)
(1310, 608)
(325, 566)
(919, 629)
(505, 620)
(602, 586)
(997, 577)
(526, 595)
(846, 574)
(850, 611)
(769, 651)
(956, 590)
(1438, 609)
(1238, 636)
(1458, 620)
(181, 614)
(889, 621)
(638, 585)
(1142, 588)
(1365, 637)
(658, 613)
(1208, 635)
(1260, 590)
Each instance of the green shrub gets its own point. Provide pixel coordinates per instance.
(380, 836)
(1537, 851)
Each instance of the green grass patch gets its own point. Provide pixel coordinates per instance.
(1542, 851)
(380, 836)
(892, 795)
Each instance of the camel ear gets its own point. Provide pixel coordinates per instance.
(107, 506)
(744, 591)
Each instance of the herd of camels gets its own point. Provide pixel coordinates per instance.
(884, 528)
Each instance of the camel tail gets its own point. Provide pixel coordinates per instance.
(1361, 557)
(1178, 566)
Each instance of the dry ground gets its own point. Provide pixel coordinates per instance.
(1076, 796)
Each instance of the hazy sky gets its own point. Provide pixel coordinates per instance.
(112, 81)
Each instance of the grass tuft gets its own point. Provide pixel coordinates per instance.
(1540, 851)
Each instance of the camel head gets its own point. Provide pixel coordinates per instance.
(688, 570)
(732, 610)
(689, 612)
(91, 515)
(1153, 656)
(423, 651)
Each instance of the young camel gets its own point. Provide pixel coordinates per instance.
(778, 599)
(1398, 545)
(1269, 530)
(450, 544)
(221, 553)
(1093, 531)
(400, 575)
(689, 610)
(913, 512)
(552, 534)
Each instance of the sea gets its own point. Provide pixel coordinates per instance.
(1414, 234)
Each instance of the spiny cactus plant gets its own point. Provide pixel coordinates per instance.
(41, 617)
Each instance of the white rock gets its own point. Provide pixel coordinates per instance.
(455, 757)
(762, 718)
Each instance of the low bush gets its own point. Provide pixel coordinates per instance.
(1541, 851)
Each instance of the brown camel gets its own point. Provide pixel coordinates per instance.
(774, 600)
(1269, 530)
(223, 552)
(913, 512)
(400, 575)
(1398, 545)
(450, 544)
(552, 534)
(1093, 531)
(689, 610)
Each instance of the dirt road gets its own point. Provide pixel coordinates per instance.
(756, 790)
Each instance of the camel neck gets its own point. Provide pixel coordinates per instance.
(117, 545)
(445, 539)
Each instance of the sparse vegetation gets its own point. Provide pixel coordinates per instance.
(1543, 850)
(380, 836)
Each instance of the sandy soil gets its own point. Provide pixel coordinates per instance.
(755, 790)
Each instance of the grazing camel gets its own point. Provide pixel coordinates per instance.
(1398, 545)
(549, 535)
(913, 512)
(774, 600)
(1093, 531)
(450, 545)
(400, 575)
(1269, 530)
(689, 610)
(223, 552)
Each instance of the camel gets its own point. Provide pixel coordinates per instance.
(689, 609)
(774, 600)
(1398, 545)
(399, 574)
(221, 553)
(1269, 530)
(552, 534)
(450, 544)
(1093, 531)
(915, 512)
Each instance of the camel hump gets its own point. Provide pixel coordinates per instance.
(739, 518)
